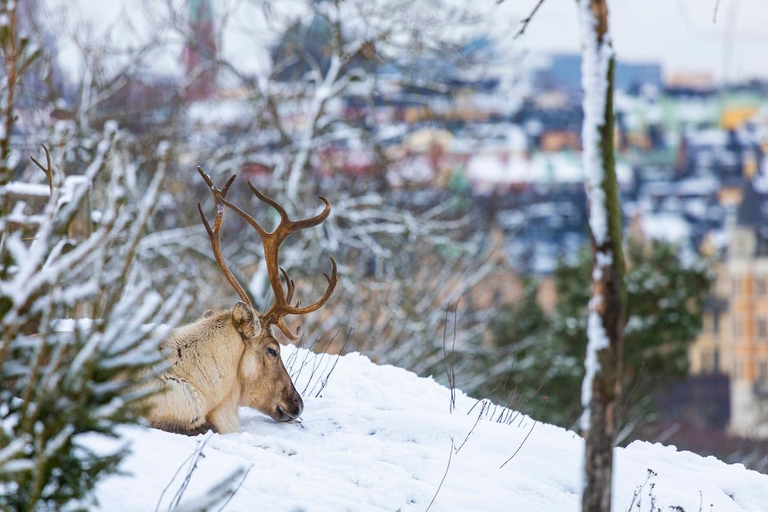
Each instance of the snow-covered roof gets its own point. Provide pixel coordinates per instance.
(692, 186)
(710, 137)
(500, 137)
(541, 168)
(666, 226)
(219, 112)
(379, 438)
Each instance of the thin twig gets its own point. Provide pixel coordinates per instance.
(631, 392)
(291, 360)
(521, 445)
(447, 467)
(325, 380)
(639, 489)
(316, 363)
(473, 407)
(295, 376)
(479, 417)
(714, 13)
(178, 470)
(453, 351)
(527, 20)
(193, 457)
(234, 491)
(445, 354)
(506, 406)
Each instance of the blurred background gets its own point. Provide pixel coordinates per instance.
(448, 140)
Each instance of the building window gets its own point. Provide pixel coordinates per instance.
(763, 371)
(762, 329)
(761, 286)
(736, 327)
(716, 322)
(735, 287)
(716, 360)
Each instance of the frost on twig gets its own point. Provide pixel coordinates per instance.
(59, 382)
(218, 495)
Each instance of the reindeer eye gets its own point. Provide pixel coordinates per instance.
(272, 352)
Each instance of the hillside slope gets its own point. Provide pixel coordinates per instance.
(379, 438)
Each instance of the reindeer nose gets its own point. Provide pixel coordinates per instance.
(298, 402)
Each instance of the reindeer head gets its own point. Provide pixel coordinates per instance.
(265, 383)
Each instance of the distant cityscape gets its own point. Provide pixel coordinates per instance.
(692, 166)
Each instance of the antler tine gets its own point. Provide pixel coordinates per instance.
(271, 243)
(218, 195)
(48, 169)
(290, 284)
(214, 232)
(271, 202)
(206, 178)
(282, 307)
(316, 220)
(249, 219)
(292, 226)
(284, 328)
(332, 280)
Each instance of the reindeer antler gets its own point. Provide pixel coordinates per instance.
(219, 196)
(271, 242)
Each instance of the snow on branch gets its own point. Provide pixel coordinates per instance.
(58, 379)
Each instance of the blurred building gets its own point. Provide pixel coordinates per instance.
(748, 271)
(200, 53)
(734, 338)
(563, 73)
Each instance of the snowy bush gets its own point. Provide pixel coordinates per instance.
(62, 381)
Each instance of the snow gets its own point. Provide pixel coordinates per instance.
(220, 112)
(596, 57)
(597, 338)
(666, 226)
(544, 168)
(379, 437)
(20, 188)
(595, 64)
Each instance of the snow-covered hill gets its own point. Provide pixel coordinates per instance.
(379, 438)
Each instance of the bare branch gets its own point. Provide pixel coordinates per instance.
(48, 169)
(527, 20)
(714, 13)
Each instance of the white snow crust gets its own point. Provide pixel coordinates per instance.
(596, 58)
(378, 439)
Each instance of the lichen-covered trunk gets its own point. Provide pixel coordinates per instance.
(602, 381)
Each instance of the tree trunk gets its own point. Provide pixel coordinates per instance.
(602, 381)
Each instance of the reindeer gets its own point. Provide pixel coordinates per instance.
(230, 359)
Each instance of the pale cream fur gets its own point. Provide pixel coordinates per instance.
(219, 363)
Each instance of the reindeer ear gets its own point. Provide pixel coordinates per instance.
(245, 321)
(208, 313)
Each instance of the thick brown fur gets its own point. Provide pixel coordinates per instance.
(219, 363)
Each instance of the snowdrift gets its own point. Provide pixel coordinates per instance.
(380, 438)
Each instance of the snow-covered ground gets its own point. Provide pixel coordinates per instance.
(380, 438)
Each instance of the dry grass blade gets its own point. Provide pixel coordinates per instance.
(447, 467)
(521, 445)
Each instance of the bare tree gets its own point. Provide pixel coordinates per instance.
(602, 382)
(322, 54)
(18, 53)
